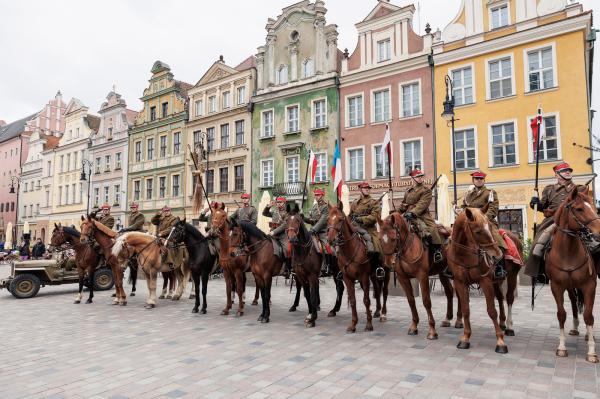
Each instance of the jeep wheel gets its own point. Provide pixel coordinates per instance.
(25, 286)
(103, 280)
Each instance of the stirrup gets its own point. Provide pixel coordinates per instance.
(380, 272)
(437, 256)
(500, 273)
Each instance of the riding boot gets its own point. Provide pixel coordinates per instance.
(500, 270)
(287, 268)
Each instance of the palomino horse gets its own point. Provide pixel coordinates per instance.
(306, 262)
(201, 263)
(86, 259)
(569, 263)
(404, 251)
(353, 261)
(94, 231)
(264, 264)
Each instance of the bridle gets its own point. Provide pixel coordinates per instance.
(88, 238)
(401, 246)
(340, 241)
(296, 232)
(479, 251)
(583, 230)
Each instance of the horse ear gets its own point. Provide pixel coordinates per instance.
(222, 206)
(55, 225)
(183, 221)
(485, 208)
(469, 214)
(340, 205)
(288, 208)
(574, 194)
(82, 218)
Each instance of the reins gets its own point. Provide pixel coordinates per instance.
(340, 241)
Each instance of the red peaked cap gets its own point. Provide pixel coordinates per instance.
(562, 166)
(245, 195)
(134, 205)
(416, 173)
(319, 191)
(105, 206)
(281, 199)
(479, 174)
(165, 208)
(364, 185)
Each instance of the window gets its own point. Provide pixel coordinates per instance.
(165, 109)
(239, 132)
(98, 164)
(80, 192)
(197, 138)
(77, 133)
(176, 143)
(49, 166)
(267, 124)
(67, 194)
(162, 187)
(241, 95)
(226, 102)
(239, 177)
(549, 140)
(292, 169)
(356, 165)
(499, 16)
(106, 194)
(266, 173)
(163, 146)
(383, 50)
(503, 144)
(225, 135)
(540, 69)
(68, 162)
(319, 114)
(282, 75)
(355, 111)
(62, 163)
(25, 187)
(512, 220)
(74, 200)
(138, 151)
(465, 146)
(411, 156)
(462, 83)
(175, 185)
(107, 163)
(37, 209)
(308, 68)
(212, 104)
(149, 189)
(2, 207)
(118, 160)
(12, 206)
(381, 165)
(224, 179)
(210, 138)
(381, 107)
(75, 160)
(199, 107)
(292, 118)
(117, 194)
(152, 113)
(150, 149)
(500, 75)
(411, 99)
(47, 198)
(136, 190)
(210, 181)
(321, 174)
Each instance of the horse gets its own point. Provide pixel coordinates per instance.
(94, 231)
(570, 264)
(264, 264)
(169, 285)
(86, 259)
(306, 262)
(405, 252)
(201, 263)
(354, 263)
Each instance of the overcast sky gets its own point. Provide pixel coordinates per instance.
(84, 47)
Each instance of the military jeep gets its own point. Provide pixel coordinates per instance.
(26, 277)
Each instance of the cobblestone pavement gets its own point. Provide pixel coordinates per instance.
(54, 349)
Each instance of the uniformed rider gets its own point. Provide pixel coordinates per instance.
(317, 218)
(206, 215)
(278, 214)
(136, 219)
(165, 221)
(105, 217)
(364, 213)
(246, 212)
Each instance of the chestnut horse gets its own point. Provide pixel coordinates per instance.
(404, 251)
(86, 259)
(264, 264)
(92, 230)
(569, 263)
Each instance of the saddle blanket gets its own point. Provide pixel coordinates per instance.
(512, 252)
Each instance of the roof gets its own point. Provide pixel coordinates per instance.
(51, 141)
(14, 129)
(131, 114)
(248, 63)
(184, 87)
(93, 122)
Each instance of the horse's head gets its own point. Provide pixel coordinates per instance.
(478, 230)
(578, 213)
(87, 229)
(390, 234)
(219, 220)
(236, 235)
(335, 222)
(58, 236)
(177, 233)
(294, 223)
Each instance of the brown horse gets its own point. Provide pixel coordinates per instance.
(264, 264)
(94, 231)
(569, 263)
(404, 251)
(86, 259)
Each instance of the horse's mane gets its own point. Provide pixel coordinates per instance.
(71, 231)
(303, 230)
(104, 229)
(461, 220)
(252, 230)
(193, 232)
(580, 195)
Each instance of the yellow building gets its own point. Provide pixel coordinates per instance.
(506, 59)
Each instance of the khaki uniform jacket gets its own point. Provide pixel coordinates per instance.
(279, 219)
(246, 213)
(176, 255)
(136, 221)
(317, 217)
(417, 200)
(366, 211)
(478, 198)
(206, 217)
(108, 221)
(552, 198)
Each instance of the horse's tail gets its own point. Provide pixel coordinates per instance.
(579, 300)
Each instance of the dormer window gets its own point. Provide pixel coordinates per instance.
(308, 68)
(499, 16)
(282, 75)
(383, 50)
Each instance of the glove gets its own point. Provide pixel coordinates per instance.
(409, 215)
(535, 201)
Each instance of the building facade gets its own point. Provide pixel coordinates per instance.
(506, 59)
(157, 145)
(387, 82)
(109, 151)
(296, 106)
(219, 123)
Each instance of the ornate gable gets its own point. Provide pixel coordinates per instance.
(382, 9)
(217, 71)
(75, 105)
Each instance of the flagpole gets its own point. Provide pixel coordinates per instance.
(305, 180)
(536, 191)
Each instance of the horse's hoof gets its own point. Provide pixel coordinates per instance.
(445, 323)
(383, 318)
(224, 312)
(265, 320)
(503, 349)
(203, 311)
(254, 303)
(413, 332)
(509, 332)
(123, 303)
(369, 327)
(149, 306)
(175, 298)
(574, 332)
(161, 297)
(376, 314)
(463, 345)
(432, 336)
(318, 308)
(331, 314)
(132, 293)
(292, 309)
(77, 301)
(89, 301)
(169, 296)
(459, 325)
(351, 330)
(309, 324)
(195, 310)
(562, 353)
(115, 302)
(503, 328)
(113, 295)
(592, 358)
(239, 314)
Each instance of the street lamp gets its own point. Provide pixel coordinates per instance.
(448, 116)
(12, 191)
(203, 152)
(89, 164)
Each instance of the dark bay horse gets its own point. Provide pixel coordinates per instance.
(570, 265)
(86, 259)
(201, 263)
(405, 252)
(264, 264)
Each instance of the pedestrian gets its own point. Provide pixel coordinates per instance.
(38, 249)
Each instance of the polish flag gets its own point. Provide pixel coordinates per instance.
(385, 147)
(312, 164)
(336, 171)
(536, 125)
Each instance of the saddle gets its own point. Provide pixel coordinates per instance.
(278, 249)
(320, 246)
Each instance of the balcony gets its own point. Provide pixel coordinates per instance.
(288, 188)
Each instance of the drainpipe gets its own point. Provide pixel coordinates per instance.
(435, 173)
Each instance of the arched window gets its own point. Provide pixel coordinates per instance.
(308, 68)
(282, 75)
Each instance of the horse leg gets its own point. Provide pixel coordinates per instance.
(255, 300)
(574, 309)
(500, 298)
(121, 274)
(151, 282)
(367, 302)
(376, 294)
(511, 285)
(339, 288)
(205, 275)
(352, 300)
(561, 314)
(183, 276)
(462, 291)
(307, 296)
(487, 286)
(133, 271)
(240, 288)
(165, 276)
(91, 296)
(459, 310)
(196, 279)
(228, 286)
(589, 292)
(297, 298)
(385, 291)
(426, 298)
(449, 292)
(404, 281)
(267, 301)
(172, 282)
(80, 294)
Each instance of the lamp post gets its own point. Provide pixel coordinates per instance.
(203, 153)
(89, 164)
(448, 116)
(12, 191)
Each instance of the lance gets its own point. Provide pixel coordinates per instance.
(536, 192)
(199, 177)
(435, 182)
(305, 180)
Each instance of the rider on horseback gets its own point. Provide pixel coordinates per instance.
(364, 213)
(105, 217)
(136, 219)
(317, 217)
(165, 221)
(479, 197)
(277, 224)
(415, 206)
(247, 212)
(206, 215)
